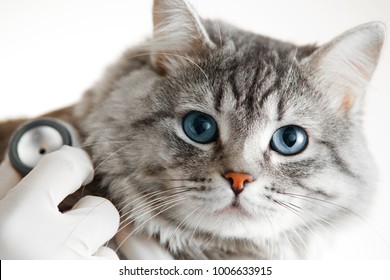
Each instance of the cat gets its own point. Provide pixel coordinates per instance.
(224, 144)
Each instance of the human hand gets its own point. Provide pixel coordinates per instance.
(135, 247)
(32, 227)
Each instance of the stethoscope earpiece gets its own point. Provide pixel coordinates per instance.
(35, 139)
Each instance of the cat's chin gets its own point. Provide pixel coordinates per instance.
(236, 221)
(232, 221)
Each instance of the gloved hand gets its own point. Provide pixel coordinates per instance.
(139, 247)
(31, 226)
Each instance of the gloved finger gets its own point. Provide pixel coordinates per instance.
(106, 253)
(59, 173)
(9, 178)
(97, 221)
(139, 247)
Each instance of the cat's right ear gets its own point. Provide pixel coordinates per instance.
(178, 35)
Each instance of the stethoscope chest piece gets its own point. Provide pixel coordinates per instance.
(34, 140)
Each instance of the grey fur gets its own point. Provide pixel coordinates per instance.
(172, 188)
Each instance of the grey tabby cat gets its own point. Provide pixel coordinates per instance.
(221, 143)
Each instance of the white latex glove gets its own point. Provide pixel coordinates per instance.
(31, 226)
(140, 248)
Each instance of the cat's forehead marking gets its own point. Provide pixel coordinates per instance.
(247, 89)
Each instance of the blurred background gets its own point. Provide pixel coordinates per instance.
(51, 51)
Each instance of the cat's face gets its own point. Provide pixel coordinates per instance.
(249, 111)
(235, 135)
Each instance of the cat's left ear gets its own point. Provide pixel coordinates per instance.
(178, 35)
(344, 67)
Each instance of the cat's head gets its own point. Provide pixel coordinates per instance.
(224, 132)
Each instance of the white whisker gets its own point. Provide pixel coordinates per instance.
(133, 219)
(325, 203)
(139, 226)
(103, 142)
(110, 156)
(146, 196)
(142, 206)
(185, 218)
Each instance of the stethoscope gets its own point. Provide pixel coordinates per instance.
(34, 139)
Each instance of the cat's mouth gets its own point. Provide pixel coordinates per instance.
(234, 209)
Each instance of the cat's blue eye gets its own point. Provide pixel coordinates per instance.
(289, 140)
(200, 127)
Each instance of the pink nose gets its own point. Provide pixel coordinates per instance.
(238, 180)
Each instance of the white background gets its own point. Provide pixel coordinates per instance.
(53, 50)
